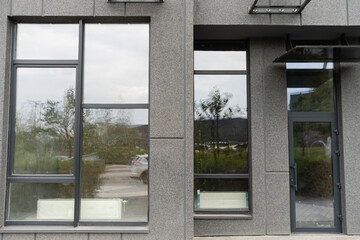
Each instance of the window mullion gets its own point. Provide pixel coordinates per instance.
(78, 124)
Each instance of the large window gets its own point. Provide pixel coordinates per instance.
(78, 138)
(221, 127)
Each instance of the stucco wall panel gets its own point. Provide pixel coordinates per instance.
(166, 65)
(325, 12)
(166, 191)
(27, 7)
(288, 19)
(229, 12)
(27, 236)
(101, 236)
(59, 236)
(350, 88)
(105, 8)
(68, 8)
(275, 109)
(353, 8)
(278, 203)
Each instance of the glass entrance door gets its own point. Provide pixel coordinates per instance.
(314, 151)
(314, 175)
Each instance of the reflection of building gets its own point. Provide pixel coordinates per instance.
(156, 75)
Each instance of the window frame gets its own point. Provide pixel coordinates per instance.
(75, 178)
(227, 45)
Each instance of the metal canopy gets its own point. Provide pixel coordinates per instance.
(277, 9)
(336, 53)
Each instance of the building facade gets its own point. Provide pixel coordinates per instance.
(168, 120)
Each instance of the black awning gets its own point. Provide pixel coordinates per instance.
(321, 54)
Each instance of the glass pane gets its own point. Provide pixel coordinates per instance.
(47, 41)
(45, 113)
(116, 63)
(221, 126)
(41, 201)
(220, 60)
(311, 88)
(314, 198)
(114, 179)
(221, 194)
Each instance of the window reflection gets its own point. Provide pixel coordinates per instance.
(220, 60)
(40, 201)
(314, 197)
(116, 68)
(45, 115)
(115, 165)
(221, 142)
(47, 41)
(310, 89)
(220, 194)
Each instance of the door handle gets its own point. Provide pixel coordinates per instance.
(294, 182)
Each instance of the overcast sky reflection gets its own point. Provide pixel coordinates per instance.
(230, 86)
(220, 60)
(116, 63)
(116, 68)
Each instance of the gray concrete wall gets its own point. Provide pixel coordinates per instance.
(269, 149)
(171, 74)
(317, 12)
(350, 88)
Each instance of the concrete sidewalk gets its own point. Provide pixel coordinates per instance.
(290, 237)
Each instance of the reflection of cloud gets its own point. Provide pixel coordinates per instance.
(42, 84)
(116, 63)
(235, 85)
(47, 41)
(220, 60)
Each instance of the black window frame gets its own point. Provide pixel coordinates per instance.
(75, 178)
(228, 45)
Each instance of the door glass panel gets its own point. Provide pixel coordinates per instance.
(310, 88)
(314, 198)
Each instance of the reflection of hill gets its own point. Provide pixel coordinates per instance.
(230, 130)
(143, 129)
(294, 97)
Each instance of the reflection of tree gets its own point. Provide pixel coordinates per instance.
(320, 100)
(110, 134)
(60, 120)
(209, 115)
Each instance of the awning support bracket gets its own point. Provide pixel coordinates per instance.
(278, 9)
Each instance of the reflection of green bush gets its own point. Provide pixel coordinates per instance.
(29, 163)
(314, 170)
(227, 161)
(90, 178)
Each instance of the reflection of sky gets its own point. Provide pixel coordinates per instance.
(35, 86)
(220, 60)
(297, 91)
(47, 41)
(309, 65)
(127, 116)
(116, 63)
(235, 85)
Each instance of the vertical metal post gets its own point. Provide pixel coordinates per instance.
(78, 125)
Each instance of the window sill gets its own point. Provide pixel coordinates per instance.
(223, 217)
(80, 229)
